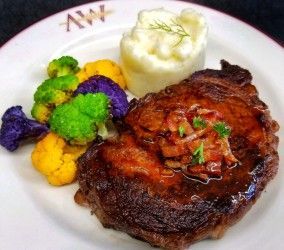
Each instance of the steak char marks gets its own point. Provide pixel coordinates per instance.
(135, 184)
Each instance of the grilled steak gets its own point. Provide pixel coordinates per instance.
(188, 163)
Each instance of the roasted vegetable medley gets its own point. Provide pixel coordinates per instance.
(71, 109)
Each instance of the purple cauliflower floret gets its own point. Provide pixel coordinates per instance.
(16, 127)
(117, 96)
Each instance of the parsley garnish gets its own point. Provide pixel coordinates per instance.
(222, 129)
(181, 131)
(198, 156)
(173, 28)
(198, 122)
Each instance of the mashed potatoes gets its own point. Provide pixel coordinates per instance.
(162, 49)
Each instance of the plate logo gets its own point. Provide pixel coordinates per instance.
(81, 19)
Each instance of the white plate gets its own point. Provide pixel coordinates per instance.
(35, 215)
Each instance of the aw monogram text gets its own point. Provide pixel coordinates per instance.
(81, 20)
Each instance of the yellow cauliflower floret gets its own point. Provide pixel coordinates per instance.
(55, 159)
(103, 67)
(82, 75)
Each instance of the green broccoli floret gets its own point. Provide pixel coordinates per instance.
(51, 93)
(62, 66)
(78, 121)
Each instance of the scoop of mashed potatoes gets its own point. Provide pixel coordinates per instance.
(162, 49)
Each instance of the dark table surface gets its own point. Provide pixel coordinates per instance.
(266, 15)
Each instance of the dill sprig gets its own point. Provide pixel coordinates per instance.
(173, 28)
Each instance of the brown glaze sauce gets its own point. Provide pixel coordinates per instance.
(247, 136)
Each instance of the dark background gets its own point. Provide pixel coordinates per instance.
(266, 15)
